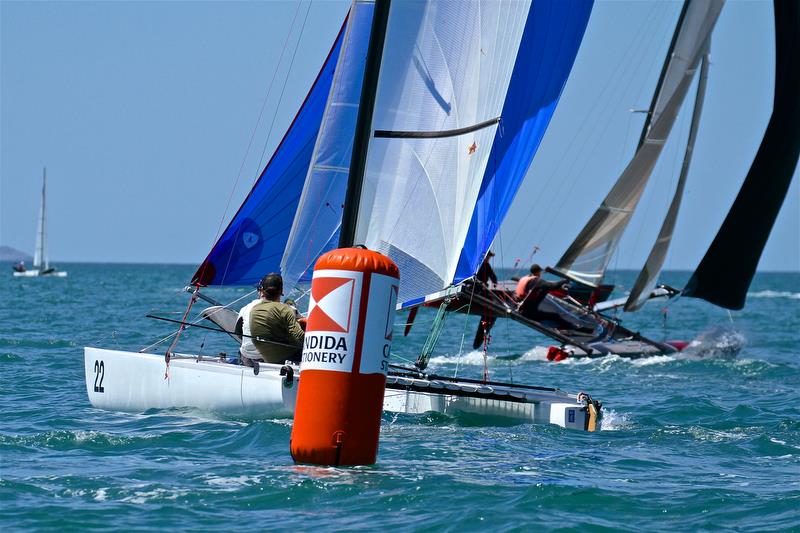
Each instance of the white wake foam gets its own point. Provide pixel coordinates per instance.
(774, 294)
(537, 353)
(717, 342)
(474, 357)
(613, 421)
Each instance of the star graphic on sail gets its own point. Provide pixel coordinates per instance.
(331, 304)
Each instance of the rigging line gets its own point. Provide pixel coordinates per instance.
(572, 183)
(402, 358)
(283, 89)
(681, 138)
(644, 32)
(253, 133)
(200, 318)
(463, 334)
(624, 146)
(603, 109)
(220, 330)
(652, 37)
(164, 339)
(257, 173)
(167, 354)
(655, 65)
(500, 245)
(196, 321)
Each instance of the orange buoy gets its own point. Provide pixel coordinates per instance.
(346, 350)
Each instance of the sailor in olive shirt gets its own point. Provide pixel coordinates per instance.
(276, 324)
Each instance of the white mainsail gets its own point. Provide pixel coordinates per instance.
(589, 255)
(444, 74)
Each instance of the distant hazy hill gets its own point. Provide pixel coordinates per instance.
(12, 255)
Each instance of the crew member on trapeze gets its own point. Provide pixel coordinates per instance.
(270, 330)
(532, 290)
(486, 273)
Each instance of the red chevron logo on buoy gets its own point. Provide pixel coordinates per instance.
(331, 304)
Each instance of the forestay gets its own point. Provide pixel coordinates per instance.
(445, 71)
(254, 241)
(588, 256)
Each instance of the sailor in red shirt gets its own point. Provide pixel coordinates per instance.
(531, 290)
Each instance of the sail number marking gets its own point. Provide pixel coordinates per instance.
(99, 375)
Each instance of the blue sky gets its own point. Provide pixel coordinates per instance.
(143, 113)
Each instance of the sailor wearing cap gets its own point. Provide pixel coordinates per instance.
(271, 331)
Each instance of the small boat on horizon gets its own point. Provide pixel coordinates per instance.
(41, 264)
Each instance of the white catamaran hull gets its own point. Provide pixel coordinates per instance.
(37, 274)
(136, 382)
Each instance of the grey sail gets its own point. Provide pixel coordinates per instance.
(588, 256)
(40, 255)
(646, 281)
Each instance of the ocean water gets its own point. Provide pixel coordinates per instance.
(709, 439)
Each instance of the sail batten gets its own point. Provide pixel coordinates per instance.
(590, 253)
(725, 272)
(384, 134)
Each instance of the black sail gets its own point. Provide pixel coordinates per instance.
(725, 273)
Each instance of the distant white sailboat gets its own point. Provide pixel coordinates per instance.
(41, 265)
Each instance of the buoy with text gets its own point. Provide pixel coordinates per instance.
(346, 350)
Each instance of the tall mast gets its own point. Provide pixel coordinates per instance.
(358, 161)
(44, 219)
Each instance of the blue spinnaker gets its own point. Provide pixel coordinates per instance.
(253, 243)
(550, 42)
